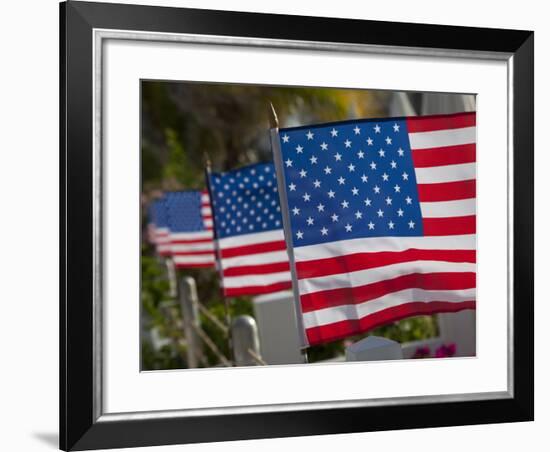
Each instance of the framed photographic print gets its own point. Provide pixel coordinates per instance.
(281, 225)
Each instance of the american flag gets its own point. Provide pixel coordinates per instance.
(158, 232)
(382, 218)
(190, 225)
(249, 231)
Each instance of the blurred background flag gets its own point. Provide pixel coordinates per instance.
(189, 219)
(382, 218)
(249, 231)
(158, 232)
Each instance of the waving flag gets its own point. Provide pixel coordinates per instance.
(249, 231)
(189, 220)
(159, 234)
(382, 217)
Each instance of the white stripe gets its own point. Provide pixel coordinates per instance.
(251, 239)
(443, 209)
(208, 223)
(373, 275)
(354, 312)
(187, 247)
(255, 280)
(377, 244)
(441, 138)
(271, 257)
(162, 231)
(202, 259)
(206, 211)
(447, 173)
(191, 235)
(205, 198)
(165, 247)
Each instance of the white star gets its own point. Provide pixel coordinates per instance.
(285, 138)
(396, 127)
(400, 213)
(299, 149)
(334, 218)
(337, 156)
(341, 180)
(371, 225)
(376, 189)
(391, 224)
(355, 191)
(357, 130)
(347, 143)
(385, 177)
(331, 194)
(376, 128)
(397, 188)
(348, 227)
(360, 154)
(299, 235)
(316, 183)
(334, 132)
(364, 178)
(303, 173)
(292, 187)
(405, 176)
(393, 164)
(321, 207)
(369, 141)
(388, 201)
(306, 197)
(296, 211)
(373, 165)
(358, 215)
(288, 163)
(313, 160)
(309, 221)
(351, 167)
(324, 146)
(401, 152)
(324, 231)
(388, 140)
(411, 224)
(368, 202)
(309, 135)
(380, 213)
(408, 200)
(382, 153)
(344, 204)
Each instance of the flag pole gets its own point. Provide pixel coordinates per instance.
(208, 171)
(278, 160)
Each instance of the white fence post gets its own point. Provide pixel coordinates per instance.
(246, 344)
(191, 320)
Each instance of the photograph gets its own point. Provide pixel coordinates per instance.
(288, 225)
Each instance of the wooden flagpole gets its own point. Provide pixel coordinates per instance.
(277, 158)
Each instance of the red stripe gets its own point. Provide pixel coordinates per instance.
(447, 191)
(256, 248)
(194, 265)
(257, 290)
(164, 253)
(450, 226)
(207, 217)
(341, 330)
(257, 269)
(440, 122)
(363, 261)
(355, 295)
(190, 241)
(192, 253)
(450, 155)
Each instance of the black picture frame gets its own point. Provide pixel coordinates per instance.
(80, 428)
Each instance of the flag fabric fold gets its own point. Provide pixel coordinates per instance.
(157, 229)
(249, 231)
(382, 220)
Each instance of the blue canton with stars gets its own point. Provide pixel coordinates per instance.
(246, 200)
(157, 213)
(349, 180)
(184, 211)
